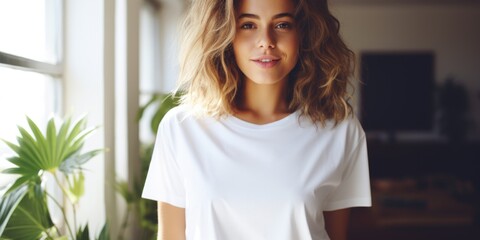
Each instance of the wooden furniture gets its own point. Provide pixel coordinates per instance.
(421, 190)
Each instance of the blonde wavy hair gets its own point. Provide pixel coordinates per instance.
(211, 80)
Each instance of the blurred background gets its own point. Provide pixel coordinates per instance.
(419, 103)
(417, 95)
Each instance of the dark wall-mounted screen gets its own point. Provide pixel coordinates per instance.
(397, 93)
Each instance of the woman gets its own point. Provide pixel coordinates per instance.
(264, 144)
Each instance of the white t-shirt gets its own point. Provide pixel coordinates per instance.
(243, 181)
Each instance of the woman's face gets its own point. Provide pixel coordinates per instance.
(266, 40)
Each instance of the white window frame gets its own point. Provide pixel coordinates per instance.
(26, 64)
(53, 65)
(54, 35)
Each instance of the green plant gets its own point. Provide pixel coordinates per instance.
(161, 103)
(24, 210)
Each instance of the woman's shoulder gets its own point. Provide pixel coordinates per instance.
(171, 122)
(352, 127)
(176, 114)
(351, 121)
(177, 111)
(349, 126)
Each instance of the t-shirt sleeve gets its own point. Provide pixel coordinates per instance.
(354, 187)
(164, 182)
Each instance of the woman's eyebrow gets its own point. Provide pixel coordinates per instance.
(250, 15)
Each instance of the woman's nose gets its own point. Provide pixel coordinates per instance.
(266, 39)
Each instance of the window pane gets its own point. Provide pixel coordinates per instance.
(28, 28)
(22, 94)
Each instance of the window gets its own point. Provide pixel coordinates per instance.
(30, 67)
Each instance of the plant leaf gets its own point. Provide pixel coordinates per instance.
(19, 182)
(76, 143)
(12, 146)
(29, 146)
(76, 129)
(38, 152)
(85, 157)
(62, 139)
(77, 160)
(104, 234)
(77, 187)
(51, 139)
(8, 204)
(28, 217)
(42, 145)
(83, 233)
(31, 217)
(70, 137)
(153, 99)
(167, 103)
(24, 166)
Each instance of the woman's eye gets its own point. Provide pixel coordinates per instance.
(247, 26)
(283, 25)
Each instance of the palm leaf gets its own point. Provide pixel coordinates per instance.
(104, 234)
(153, 99)
(43, 147)
(31, 218)
(30, 146)
(167, 102)
(83, 233)
(23, 210)
(8, 204)
(69, 136)
(77, 160)
(23, 166)
(76, 187)
(79, 139)
(26, 150)
(23, 180)
(76, 129)
(12, 146)
(62, 141)
(18, 171)
(76, 144)
(36, 152)
(51, 139)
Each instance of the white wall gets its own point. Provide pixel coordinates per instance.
(99, 40)
(84, 92)
(170, 17)
(451, 31)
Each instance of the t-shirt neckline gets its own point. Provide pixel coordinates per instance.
(287, 120)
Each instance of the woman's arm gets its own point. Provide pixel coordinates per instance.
(336, 223)
(171, 222)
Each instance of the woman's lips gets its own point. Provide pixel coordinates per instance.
(266, 62)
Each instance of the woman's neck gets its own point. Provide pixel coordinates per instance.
(261, 103)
